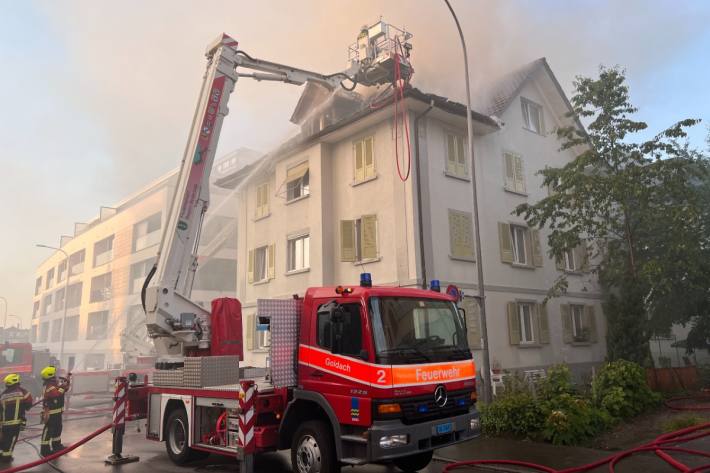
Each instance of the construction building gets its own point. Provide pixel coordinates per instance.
(109, 259)
(329, 205)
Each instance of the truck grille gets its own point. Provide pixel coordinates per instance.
(422, 408)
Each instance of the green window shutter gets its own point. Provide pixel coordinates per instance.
(505, 242)
(250, 329)
(536, 248)
(513, 323)
(581, 257)
(461, 234)
(451, 154)
(272, 261)
(368, 236)
(265, 199)
(250, 267)
(347, 240)
(509, 167)
(543, 324)
(473, 321)
(519, 175)
(359, 161)
(369, 160)
(566, 314)
(591, 322)
(461, 158)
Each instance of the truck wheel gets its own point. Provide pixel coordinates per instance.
(415, 462)
(176, 439)
(313, 449)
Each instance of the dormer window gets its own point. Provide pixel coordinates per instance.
(532, 116)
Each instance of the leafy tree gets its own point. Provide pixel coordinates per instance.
(636, 206)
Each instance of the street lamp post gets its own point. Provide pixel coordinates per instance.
(486, 371)
(66, 297)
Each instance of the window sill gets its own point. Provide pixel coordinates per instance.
(513, 191)
(261, 283)
(367, 261)
(456, 176)
(522, 266)
(256, 219)
(573, 272)
(297, 199)
(467, 259)
(363, 181)
(530, 345)
(581, 344)
(297, 271)
(533, 131)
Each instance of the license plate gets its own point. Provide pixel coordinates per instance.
(442, 429)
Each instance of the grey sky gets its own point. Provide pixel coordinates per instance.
(97, 97)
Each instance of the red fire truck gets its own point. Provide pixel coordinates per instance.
(20, 358)
(358, 374)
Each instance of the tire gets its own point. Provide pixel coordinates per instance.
(313, 449)
(176, 439)
(415, 462)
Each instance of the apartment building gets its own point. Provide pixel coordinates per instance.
(330, 204)
(109, 259)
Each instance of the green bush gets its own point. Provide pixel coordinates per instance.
(620, 388)
(569, 420)
(557, 382)
(515, 413)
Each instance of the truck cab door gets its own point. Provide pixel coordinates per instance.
(337, 359)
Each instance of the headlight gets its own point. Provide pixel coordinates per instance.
(475, 424)
(392, 441)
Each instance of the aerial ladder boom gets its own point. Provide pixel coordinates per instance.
(174, 321)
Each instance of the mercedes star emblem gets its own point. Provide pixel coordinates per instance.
(440, 396)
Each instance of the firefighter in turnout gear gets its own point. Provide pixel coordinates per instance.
(53, 403)
(14, 402)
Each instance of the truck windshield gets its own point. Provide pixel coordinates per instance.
(409, 330)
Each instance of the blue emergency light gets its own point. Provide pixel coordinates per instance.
(435, 285)
(365, 280)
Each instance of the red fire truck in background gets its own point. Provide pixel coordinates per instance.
(20, 358)
(357, 374)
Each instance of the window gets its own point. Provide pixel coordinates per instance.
(95, 361)
(519, 236)
(139, 271)
(456, 164)
(103, 251)
(50, 278)
(519, 245)
(364, 153)
(76, 262)
(71, 331)
(532, 116)
(298, 253)
(297, 182)
(33, 336)
(38, 285)
(47, 304)
(261, 264)
(97, 325)
(349, 338)
(74, 295)
(44, 332)
(262, 201)
(578, 323)
(146, 233)
(59, 299)
(358, 239)
(100, 288)
(217, 274)
(514, 173)
(527, 323)
(61, 271)
(35, 309)
(574, 260)
(461, 235)
(262, 332)
(56, 330)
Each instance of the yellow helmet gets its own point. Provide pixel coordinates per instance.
(12, 379)
(49, 372)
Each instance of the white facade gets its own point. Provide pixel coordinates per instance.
(346, 192)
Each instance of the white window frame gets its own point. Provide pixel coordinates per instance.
(527, 106)
(292, 242)
(516, 182)
(257, 251)
(570, 260)
(262, 210)
(525, 337)
(576, 312)
(304, 189)
(522, 232)
(458, 137)
(368, 173)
